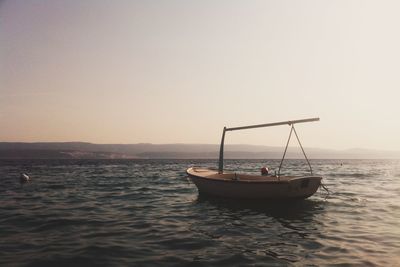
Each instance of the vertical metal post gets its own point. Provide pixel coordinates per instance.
(221, 153)
(284, 153)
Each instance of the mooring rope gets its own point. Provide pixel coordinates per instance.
(326, 189)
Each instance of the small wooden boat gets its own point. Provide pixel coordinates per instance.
(246, 186)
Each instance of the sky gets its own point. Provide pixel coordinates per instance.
(178, 71)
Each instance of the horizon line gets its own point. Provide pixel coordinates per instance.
(211, 144)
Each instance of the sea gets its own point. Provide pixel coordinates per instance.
(147, 213)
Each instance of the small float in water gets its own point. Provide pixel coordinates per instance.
(24, 178)
(247, 186)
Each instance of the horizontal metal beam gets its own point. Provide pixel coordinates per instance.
(271, 124)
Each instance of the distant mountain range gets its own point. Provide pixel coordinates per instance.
(82, 150)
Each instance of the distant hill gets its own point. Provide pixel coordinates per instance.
(82, 150)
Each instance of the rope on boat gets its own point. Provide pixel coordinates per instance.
(292, 129)
(284, 153)
(302, 149)
(326, 189)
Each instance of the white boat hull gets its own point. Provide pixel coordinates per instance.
(244, 186)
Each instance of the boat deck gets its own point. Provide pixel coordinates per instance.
(229, 176)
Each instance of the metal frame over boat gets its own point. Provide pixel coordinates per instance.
(247, 186)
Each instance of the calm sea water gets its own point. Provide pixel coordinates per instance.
(146, 213)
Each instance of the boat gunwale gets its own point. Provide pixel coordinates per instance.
(249, 181)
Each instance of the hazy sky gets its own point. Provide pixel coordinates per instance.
(178, 71)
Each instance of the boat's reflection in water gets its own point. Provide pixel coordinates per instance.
(287, 231)
(286, 209)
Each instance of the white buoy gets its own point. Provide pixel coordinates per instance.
(24, 178)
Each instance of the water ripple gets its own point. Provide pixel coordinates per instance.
(144, 212)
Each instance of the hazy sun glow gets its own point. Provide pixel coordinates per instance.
(178, 71)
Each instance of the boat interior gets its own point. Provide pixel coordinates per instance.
(213, 174)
